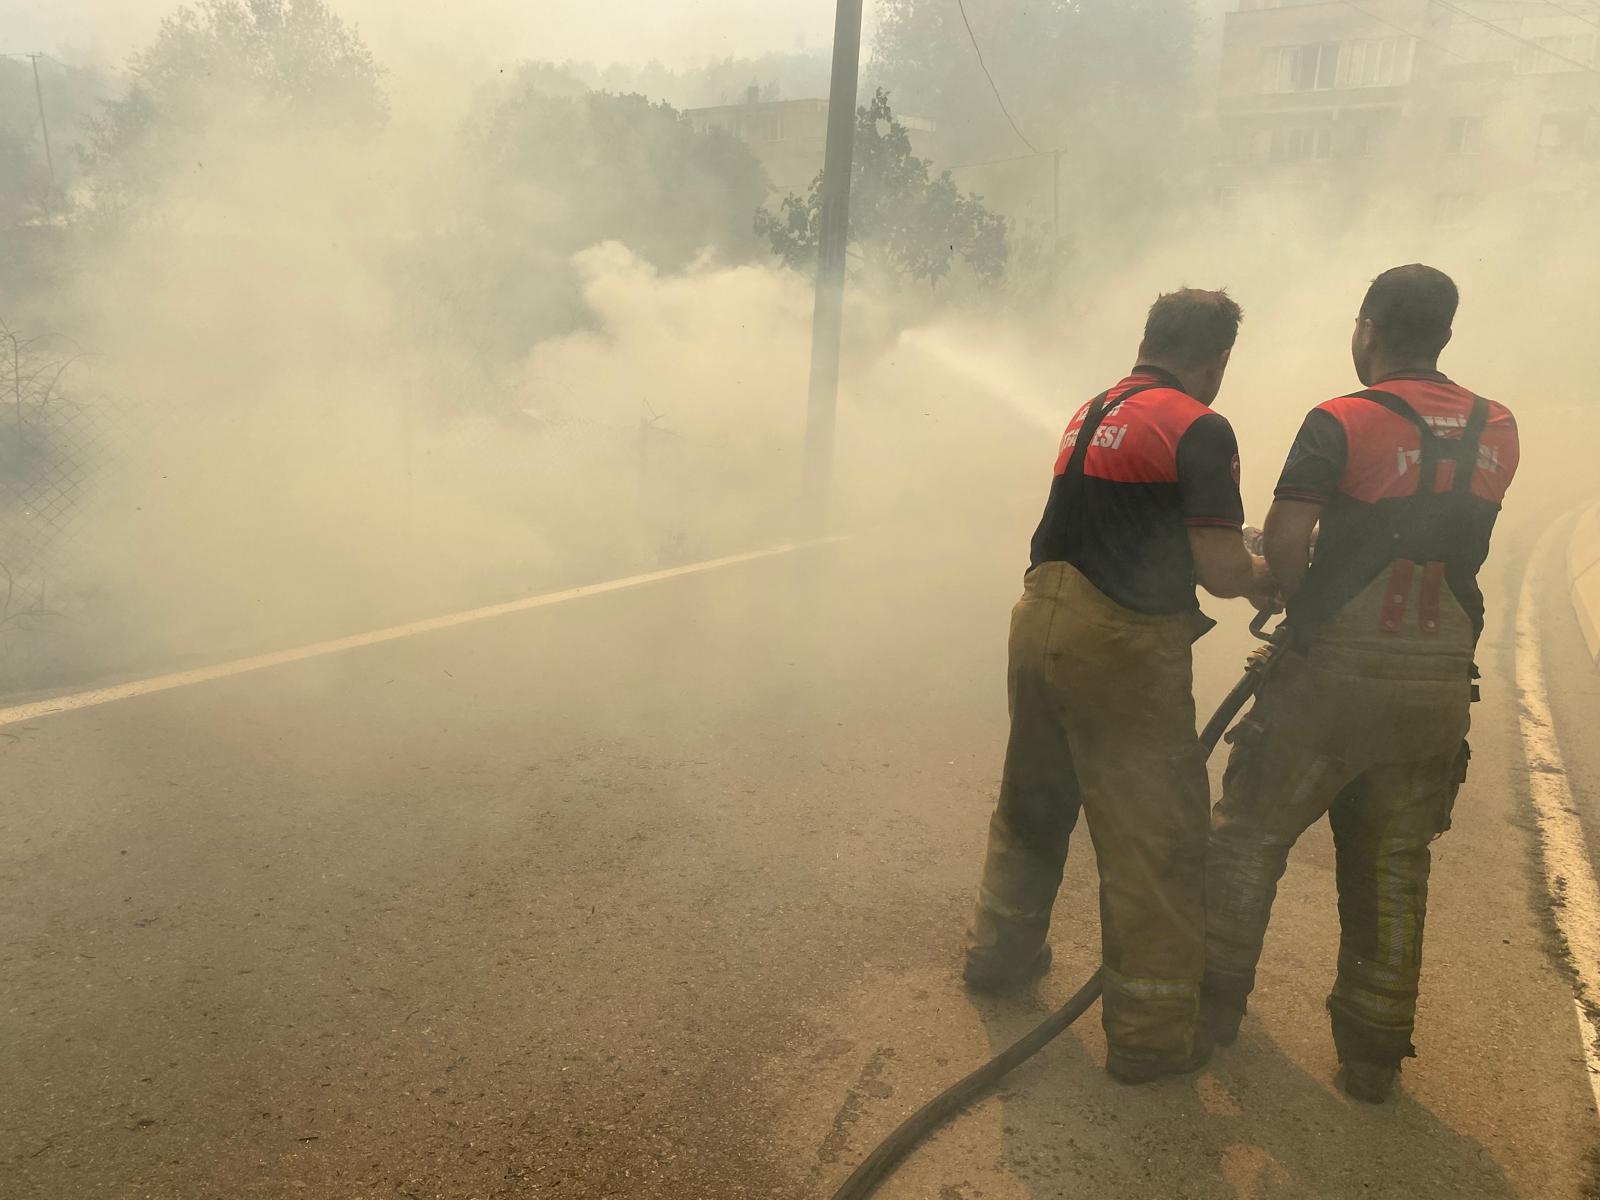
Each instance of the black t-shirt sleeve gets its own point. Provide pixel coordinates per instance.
(1316, 459)
(1208, 474)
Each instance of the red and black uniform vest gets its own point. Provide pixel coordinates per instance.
(1411, 473)
(1137, 465)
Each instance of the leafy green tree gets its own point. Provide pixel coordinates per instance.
(904, 220)
(248, 63)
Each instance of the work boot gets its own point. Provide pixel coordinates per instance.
(1221, 1021)
(1368, 1081)
(1140, 1070)
(982, 976)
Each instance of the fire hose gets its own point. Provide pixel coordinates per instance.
(915, 1129)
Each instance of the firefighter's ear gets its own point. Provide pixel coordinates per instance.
(1206, 382)
(1363, 339)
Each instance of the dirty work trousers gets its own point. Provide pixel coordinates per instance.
(1102, 719)
(1369, 728)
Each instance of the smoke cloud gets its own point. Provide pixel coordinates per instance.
(355, 376)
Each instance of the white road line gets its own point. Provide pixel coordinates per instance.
(1568, 869)
(161, 683)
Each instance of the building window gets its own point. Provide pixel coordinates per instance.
(1298, 145)
(1320, 66)
(1566, 133)
(1380, 62)
(1242, 147)
(1357, 141)
(1450, 209)
(1463, 135)
(1563, 52)
(1309, 68)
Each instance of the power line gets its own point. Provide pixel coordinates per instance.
(1576, 16)
(997, 97)
(1372, 16)
(1500, 29)
(1561, 8)
(1516, 37)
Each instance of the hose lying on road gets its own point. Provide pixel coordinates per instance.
(876, 1166)
(916, 1128)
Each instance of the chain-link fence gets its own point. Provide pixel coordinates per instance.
(138, 537)
(52, 456)
(55, 448)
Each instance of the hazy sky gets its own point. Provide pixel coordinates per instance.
(675, 31)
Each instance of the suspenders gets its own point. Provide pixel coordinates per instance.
(1072, 474)
(1421, 533)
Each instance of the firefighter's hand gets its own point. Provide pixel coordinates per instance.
(1264, 592)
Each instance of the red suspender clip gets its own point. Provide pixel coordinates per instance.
(1398, 596)
(1428, 597)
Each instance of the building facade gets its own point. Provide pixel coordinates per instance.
(1447, 114)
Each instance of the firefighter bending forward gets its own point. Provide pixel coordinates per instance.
(1365, 717)
(1145, 500)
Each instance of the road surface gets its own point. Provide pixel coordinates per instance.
(658, 894)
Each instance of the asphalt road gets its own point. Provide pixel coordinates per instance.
(659, 893)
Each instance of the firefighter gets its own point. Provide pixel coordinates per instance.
(1365, 717)
(1144, 502)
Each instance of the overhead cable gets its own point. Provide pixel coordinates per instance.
(998, 99)
(1516, 37)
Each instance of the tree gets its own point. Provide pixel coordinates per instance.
(902, 219)
(553, 174)
(23, 185)
(793, 75)
(70, 94)
(607, 167)
(241, 62)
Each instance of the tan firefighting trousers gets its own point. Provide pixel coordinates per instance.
(1102, 717)
(1369, 728)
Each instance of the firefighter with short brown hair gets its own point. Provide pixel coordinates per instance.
(1144, 502)
(1364, 716)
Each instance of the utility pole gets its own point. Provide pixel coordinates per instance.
(828, 312)
(44, 125)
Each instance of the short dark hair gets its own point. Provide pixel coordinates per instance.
(1190, 327)
(1413, 307)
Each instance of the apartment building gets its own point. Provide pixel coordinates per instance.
(1448, 114)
